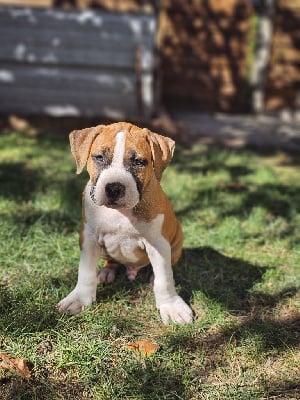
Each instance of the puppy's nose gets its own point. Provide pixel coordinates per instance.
(115, 190)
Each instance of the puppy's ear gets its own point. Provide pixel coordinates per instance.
(162, 149)
(81, 142)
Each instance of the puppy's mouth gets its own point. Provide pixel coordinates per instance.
(114, 205)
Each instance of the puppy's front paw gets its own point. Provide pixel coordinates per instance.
(176, 311)
(75, 302)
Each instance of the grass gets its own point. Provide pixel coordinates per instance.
(240, 213)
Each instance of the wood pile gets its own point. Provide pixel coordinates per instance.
(110, 5)
(283, 84)
(204, 54)
(107, 5)
(26, 3)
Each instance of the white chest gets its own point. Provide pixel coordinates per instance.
(120, 235)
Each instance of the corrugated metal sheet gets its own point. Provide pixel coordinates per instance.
(77, 63)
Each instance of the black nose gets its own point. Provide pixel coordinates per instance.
(115, 190)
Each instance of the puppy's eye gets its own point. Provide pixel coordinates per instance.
(98, 158)
(138, 162)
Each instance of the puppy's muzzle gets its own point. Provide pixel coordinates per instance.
(115, 188)
(114, 191)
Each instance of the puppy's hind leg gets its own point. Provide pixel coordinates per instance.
(108, 273)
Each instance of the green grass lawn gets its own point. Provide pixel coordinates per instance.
(240, 213)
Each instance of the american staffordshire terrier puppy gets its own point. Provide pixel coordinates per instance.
(127, 218)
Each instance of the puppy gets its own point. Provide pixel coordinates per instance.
(127, 218)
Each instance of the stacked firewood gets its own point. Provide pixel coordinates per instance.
(204, 53)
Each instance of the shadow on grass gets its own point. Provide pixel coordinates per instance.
(254, 334)
(12, 388)
(228, 282)
(50, 221)
(46, 166)
(23, 185)
(224, 279)
(17, 181)
(280, 200)
(154, 381)
(21, 312)
(277, 198)
(203, 160)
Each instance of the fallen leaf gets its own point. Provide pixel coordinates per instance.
(18, 365)
(144, 347)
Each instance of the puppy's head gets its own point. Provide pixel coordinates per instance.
(121, 159)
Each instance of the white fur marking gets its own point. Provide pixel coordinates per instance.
(117, 173)
(119, 150)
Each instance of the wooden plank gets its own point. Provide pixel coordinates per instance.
(27, 3)
(293, 4)
(36, 42)
(54, 96)
(94, 80)
(136, 26)
(36, 32)
(30, 100)
(61, 38)
(65, 109)
(85, 58)
(76, 63)
(71, 39)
